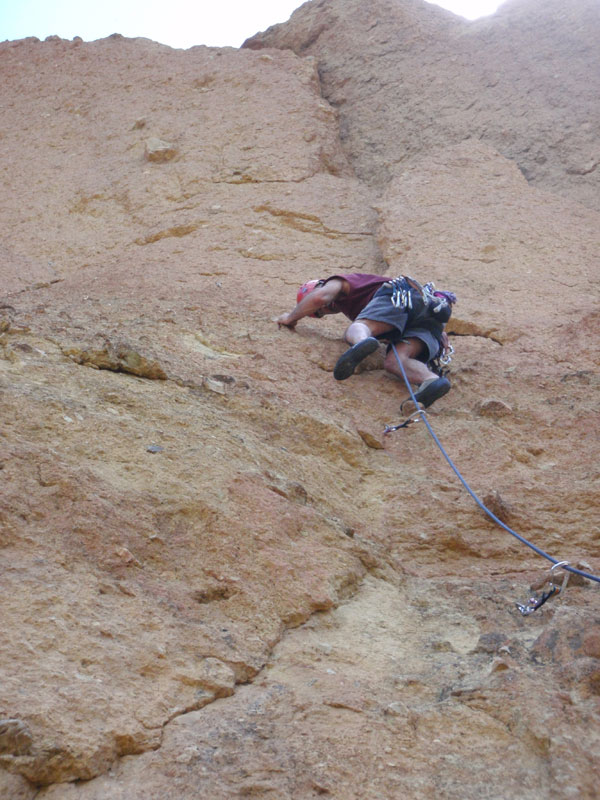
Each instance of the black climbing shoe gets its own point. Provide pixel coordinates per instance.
(349, 360)
(431, 390)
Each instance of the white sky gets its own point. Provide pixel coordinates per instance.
(178, 23)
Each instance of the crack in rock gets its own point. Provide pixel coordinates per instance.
(306, 223)
(176, 231)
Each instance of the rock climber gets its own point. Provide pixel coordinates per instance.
(398, 311)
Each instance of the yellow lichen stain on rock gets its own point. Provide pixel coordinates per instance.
(118, 357)
(306, 223)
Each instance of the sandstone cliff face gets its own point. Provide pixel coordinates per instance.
(408, 76)
(219, 578)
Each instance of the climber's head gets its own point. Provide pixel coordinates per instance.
(305, 289)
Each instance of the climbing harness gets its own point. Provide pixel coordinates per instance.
(534, 603)
(406, 292)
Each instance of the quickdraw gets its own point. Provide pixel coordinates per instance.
(534, 602)
(446, 356)
(414, 417)
(537, 602)
(401, 294)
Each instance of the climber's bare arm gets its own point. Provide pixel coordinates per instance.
(317, 302)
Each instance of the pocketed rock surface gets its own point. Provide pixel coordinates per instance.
(407, 76)
(219, 578)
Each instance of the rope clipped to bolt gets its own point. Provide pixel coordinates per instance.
(534, 603)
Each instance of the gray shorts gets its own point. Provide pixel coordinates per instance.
(407, 325)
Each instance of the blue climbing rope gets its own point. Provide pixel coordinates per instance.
(481, 505)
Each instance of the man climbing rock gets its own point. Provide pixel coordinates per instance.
(398, 311)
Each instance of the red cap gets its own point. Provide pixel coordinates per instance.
(305, 289)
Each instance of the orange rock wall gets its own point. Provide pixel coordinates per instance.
(220, 579)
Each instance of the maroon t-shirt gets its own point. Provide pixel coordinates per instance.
(362, 289)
